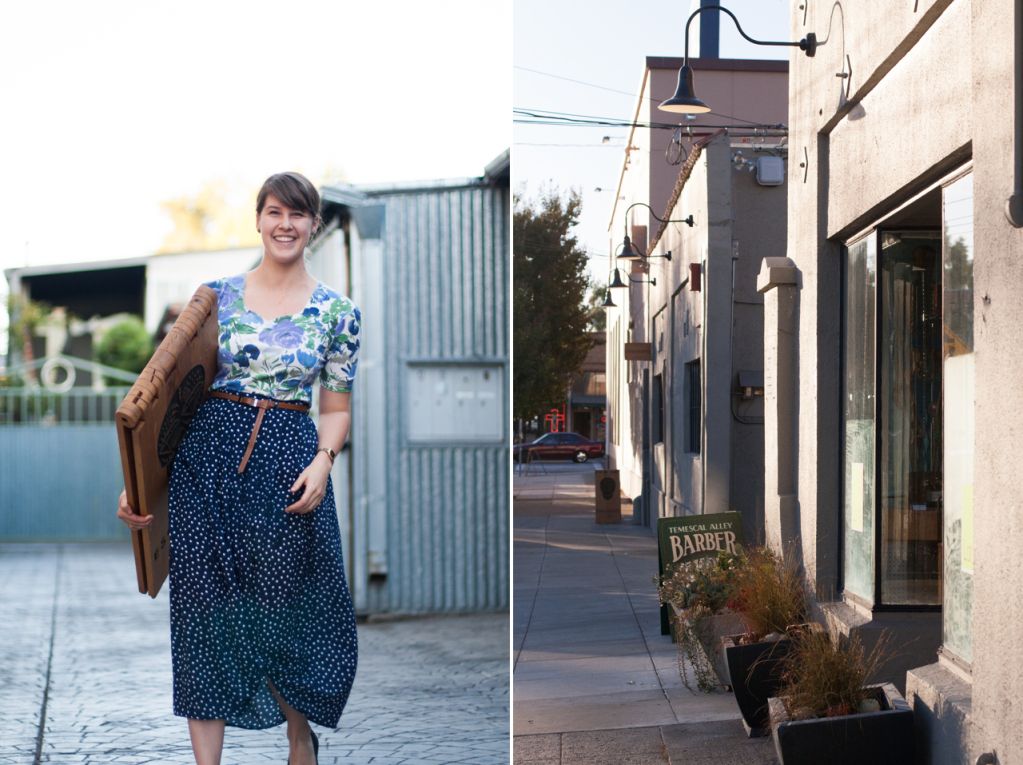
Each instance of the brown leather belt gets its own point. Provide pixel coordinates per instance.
(262, 404)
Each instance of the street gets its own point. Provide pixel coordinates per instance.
(84, 652)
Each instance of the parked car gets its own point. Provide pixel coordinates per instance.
(559, 446)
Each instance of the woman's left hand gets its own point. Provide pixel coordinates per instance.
(313, 483)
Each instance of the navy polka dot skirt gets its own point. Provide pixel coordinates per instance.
(258, 595)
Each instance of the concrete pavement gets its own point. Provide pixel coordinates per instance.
(594, 680)
(86, 676)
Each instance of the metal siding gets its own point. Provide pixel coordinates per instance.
(60, 483)
(445, 259)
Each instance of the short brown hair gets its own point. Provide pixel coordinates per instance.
(294, 190)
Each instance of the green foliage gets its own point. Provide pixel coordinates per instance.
(550, 314)
(824, 678)
(702, 587)
(598, 314)
(768, 593)
(126, 345)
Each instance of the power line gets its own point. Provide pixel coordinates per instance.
(623, 92)
(547, 117)
(574, 145)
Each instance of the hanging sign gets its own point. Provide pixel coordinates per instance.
(638, 352)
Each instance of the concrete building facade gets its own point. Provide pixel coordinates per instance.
(681, 433)
(891, 352)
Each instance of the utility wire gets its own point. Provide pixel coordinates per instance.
(624, 92)
(545, 117)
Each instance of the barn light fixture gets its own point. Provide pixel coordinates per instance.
(629, 252)
(618, 283)
(685, 101)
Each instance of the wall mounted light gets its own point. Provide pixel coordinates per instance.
(629, 252)
(618, 283)
(685, 101)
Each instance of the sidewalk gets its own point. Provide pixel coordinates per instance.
(82, 651)
(594, 680)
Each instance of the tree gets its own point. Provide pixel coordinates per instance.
(212, 219)
(126, 345)
(25, 317)
(550, 315)
(598, 314)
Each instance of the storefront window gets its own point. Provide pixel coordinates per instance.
(958, 371)
(909, 417)
(908, 406)
(860, 288)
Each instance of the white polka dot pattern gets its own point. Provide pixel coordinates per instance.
(257, 594)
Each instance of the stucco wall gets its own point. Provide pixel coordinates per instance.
(930, 87)
(998, 315)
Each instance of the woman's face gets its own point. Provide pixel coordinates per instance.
(285, 230)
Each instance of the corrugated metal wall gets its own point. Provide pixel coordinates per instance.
(60, 482)
(446, 262)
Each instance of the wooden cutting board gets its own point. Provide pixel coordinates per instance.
(152, 420)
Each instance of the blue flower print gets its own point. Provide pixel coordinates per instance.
(284, 334)
(284, 358)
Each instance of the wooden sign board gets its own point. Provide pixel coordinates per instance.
(689, 538)
(638, 352)
(152, 420)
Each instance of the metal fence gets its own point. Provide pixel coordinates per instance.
(39, 406)
(60, 468)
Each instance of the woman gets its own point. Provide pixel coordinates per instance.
(262, 625)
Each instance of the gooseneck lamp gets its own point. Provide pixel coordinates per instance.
(629, 252)
(685, 101)
(617, 283)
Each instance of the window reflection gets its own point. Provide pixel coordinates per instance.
(909, 402)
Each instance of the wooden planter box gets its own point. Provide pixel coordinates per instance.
(878, 738)
(754, 673)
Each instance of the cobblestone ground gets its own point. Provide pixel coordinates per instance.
(86, 654)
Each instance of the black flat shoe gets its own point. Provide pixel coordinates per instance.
(316, 747)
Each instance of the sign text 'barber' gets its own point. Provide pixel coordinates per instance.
(690, 537)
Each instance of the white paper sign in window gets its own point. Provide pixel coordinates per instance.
(454, 403)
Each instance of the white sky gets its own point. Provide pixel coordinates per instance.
(111, 106)
(605, 43)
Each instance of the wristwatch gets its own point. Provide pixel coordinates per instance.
(330, 453)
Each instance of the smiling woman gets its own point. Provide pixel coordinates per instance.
(262, 625)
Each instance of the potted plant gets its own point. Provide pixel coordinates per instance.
(826, 711)
(770, 597)
(698, 594)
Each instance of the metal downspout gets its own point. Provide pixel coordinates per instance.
(1014, 204)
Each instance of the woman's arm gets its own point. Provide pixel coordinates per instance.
(335, 421)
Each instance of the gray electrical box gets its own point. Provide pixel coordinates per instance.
(770, 171)
(454, 403)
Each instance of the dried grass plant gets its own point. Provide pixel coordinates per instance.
(824, 678)
(769, 594)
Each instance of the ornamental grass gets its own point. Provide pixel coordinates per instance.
(825, 678)
(768, 593)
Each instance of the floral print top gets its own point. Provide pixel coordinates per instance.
(282, 357)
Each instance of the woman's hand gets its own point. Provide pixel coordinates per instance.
(133, 520)
(313, 481)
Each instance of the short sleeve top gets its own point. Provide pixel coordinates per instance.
(283, 357)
